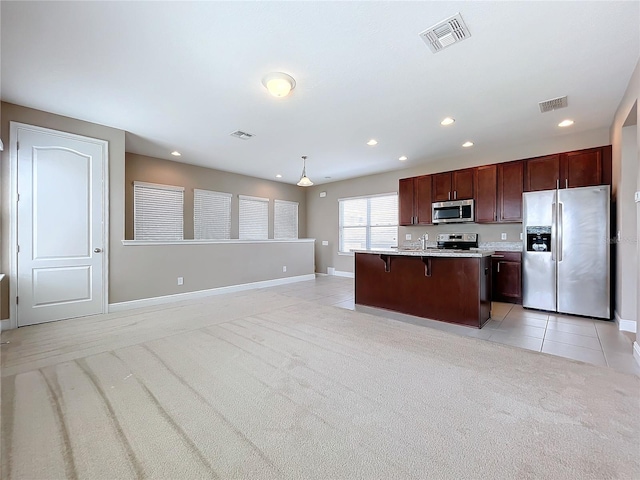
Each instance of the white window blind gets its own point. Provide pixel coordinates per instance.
(368, 222)
(211, 215)
(254, 218)
(157, 211)
(285, 219)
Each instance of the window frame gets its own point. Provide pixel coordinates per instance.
(157, 186)
(211, 193)
(277, 202)
(368, 225)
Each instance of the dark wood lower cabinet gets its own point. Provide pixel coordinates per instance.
(507, 277)
(449, 289)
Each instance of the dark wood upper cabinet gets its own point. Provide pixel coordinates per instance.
(510, 188)
(582, 168)
(486, 201)
(423, 200)
(585, 168)
(463, 183)
(542, 173)
(414, 201)
(456, 185)
(441, 187)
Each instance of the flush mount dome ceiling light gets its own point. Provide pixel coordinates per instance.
(447, 121)
(278, 84)
(304, 180)
(565, 123)
(467, 144)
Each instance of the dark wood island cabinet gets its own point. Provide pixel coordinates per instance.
(450, 287)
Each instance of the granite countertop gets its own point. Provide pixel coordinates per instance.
(430, 252)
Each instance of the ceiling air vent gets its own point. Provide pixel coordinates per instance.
(553, 104)
(445, 33)
(242, 135)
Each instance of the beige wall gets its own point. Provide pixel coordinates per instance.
(155, 170)
(149, 271)
(621, 164)
(322, 213)
(115, 137)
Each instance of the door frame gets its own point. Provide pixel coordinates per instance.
(14, 127)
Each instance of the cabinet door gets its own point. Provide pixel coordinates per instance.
(510, 186)
(406, 195)
(423, 200)
(442, 187)
(542, 173)
(507, 280)
(463, 182)
(486, 183)
(582, 168)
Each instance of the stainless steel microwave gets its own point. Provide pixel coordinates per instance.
(455, 211)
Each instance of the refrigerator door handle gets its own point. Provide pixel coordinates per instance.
(553, 232)
(560, 228)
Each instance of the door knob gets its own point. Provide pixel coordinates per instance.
(97, 250)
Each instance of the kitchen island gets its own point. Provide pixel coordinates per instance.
(448, 285)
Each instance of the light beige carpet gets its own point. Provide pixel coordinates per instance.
(266, 386)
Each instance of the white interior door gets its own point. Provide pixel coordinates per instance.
(60, 225)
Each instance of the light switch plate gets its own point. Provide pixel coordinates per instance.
(323, 194)
(520, 235)
(503, 236)
(637, 197)
(407, 236)
(325, 242)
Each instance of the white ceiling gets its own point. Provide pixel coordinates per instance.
(178, 75)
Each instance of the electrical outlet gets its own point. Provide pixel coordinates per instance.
(323, 194)
(284, 269)
(180, 280)
(407, 236)
(503, 236)
(637, 197)
(325, 242)
(426, 236)
(520, 235)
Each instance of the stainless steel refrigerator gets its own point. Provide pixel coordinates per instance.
(566, 254)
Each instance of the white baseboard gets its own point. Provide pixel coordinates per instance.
(149, 302)
(339, 273)
(5, 325)
(625, 325)
(636, 351)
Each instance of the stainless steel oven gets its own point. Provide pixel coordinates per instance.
(455, 211)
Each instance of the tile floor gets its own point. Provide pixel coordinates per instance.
(592, 341)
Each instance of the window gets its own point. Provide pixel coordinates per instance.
(285, 219)
(254, 218)
(157, 211)
(211, 215)
(368, 222)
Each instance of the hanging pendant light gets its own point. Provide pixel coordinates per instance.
(304, 180)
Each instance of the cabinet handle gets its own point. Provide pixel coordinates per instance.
(497, 256)
(455, 194)
(566, 183)
(448, 195)
(557, 184)
(499, 266)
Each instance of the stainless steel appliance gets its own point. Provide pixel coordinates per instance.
(455, 211)
(566, 257)
(457, 241)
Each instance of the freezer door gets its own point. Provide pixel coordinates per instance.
(539, 268)
(583, 251)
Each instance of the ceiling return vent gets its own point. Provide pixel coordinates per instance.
(242, 135)
(553, 104)
(445, 33)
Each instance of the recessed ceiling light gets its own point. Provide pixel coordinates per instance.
(467, 144)
(176, 153)
(278, 176)
(447, 121)
(327, 177)
(402, 158)
(565, 123)
(372, 142)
